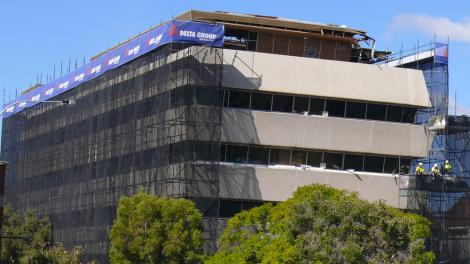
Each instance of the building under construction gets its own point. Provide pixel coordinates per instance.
(232, 111)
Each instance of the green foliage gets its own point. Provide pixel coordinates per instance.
(27, 240)
(149, 229)
(320, 224)
(56, 255)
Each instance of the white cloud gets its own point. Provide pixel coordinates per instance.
(442, 27)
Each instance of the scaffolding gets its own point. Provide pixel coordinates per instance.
(142, 126)
(444, 198)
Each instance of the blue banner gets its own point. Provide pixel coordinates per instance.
(441, 53)
(174, 31)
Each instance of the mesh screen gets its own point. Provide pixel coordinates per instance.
(135, 127)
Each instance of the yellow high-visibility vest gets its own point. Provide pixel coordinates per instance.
(447, 167)
(419, 170)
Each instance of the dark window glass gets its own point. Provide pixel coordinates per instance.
(261, 101)
(316, 106)
(314, 158)
(356, 110)
(376, 111)
(405, 165)
(258, 155)
(226, 95)
(394, 113)
(300, 104)
(223, 148)
(391, 165)
(373, 164)
(252, 38)
(205, 151)
(353, 162)
(299, 157)
(333, 160)
(252, 45)
(206, 96)
(280, 156)
(239, 99)
(282, 103)
(236, 153)
(335, 108)
(229, 208)
(409, 115)
(247, 205)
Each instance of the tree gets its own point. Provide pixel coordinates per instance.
(149, 229)
(320, 224)
(28, 239)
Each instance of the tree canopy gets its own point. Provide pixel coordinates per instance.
(149, 229)
(27, 241)
(320, 224)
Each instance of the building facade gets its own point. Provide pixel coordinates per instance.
(281, 104)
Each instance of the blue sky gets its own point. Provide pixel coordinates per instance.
(35, 35)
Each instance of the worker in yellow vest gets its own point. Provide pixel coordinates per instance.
(419, 176)
(447, 167)
(420, 169)
(436, 174)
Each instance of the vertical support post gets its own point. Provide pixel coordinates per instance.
(3, 166)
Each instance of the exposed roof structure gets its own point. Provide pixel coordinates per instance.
(264, 21)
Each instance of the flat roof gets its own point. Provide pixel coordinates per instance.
(267, 21)
(251, 21)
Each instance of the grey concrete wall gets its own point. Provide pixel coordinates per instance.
(323, 133)
(277, 183)
(324, 78)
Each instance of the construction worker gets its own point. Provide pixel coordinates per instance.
(420, 169)
(419, 175)
(436, 173)
(435, 170)
(447, 167)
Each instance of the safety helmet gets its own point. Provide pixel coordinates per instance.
(447, 161)
(435, 165)
(420, 164)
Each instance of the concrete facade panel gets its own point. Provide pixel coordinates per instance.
(279, 182)
(323, 133)
(324, 78)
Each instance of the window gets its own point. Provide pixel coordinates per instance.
(356, 110)
(335, 108)
(394, 113)
(280, 156)
(333, 160)
(239, 99)
(206, 96)
(204, 151)
(299, 157)
(225, 98)
(373, 164)
(258, 155)
(391, 165)
(353, 162)
(282, 103)
(316, 106)
(301, 104)
(314, 158)
(229, 208)
(261, 101)
(376, 111)
(405, 165)
(409, 115)
(247, 205)
(223, 149)
(252, 39)
(236, 153)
